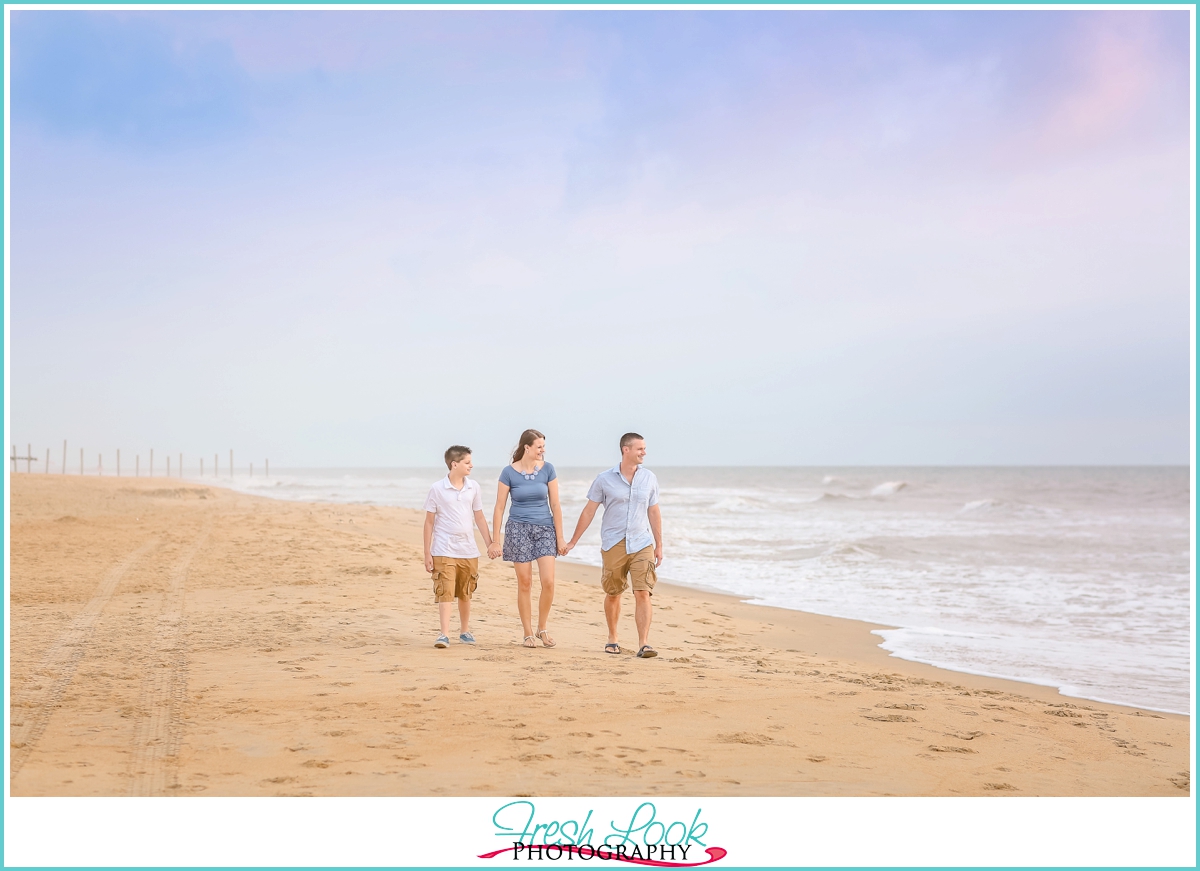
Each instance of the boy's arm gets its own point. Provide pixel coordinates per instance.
(428, 536)
(481, 522)
(498, 518)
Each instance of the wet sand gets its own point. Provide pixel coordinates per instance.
(170, 638)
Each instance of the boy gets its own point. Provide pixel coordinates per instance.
(450, 551)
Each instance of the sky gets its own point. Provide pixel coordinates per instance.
(352, 238)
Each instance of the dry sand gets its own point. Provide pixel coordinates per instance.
(169, 638)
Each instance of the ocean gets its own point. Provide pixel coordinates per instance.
(1077, 578)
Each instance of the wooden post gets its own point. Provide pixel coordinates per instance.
(168, 465)
(118, 462)
(216, 465)
(252, 470)
(181, 465)
(47, 461)
(137, 466)
(99, 464)
(28, 458)
(81, 461)
(231, 464)
(268, 472)
(202, 467)
(64, 471)
(152, 462)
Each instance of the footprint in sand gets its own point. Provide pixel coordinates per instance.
(744, 738)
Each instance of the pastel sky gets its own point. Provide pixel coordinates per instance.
(344, 238)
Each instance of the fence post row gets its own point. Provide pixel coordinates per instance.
(30, 459)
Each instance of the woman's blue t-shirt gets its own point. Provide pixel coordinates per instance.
(530, 494)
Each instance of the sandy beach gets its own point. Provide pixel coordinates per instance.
(170, 638)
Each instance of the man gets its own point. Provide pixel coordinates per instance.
(630, 538)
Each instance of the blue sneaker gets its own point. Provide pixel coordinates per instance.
(467, 638)
(442, 641)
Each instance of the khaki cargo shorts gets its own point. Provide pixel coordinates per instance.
(454, 578)
(619, 568)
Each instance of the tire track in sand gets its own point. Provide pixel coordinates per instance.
(34, 704)
(158, 729)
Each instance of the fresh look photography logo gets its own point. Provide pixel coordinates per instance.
(644, 838)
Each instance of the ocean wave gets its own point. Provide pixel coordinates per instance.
(889, 487)
(978, 505)
(851, 550)
(735, 503)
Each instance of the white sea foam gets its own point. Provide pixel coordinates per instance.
(1074, 578)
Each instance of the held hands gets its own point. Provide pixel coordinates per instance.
(494, 550)
(563, 548)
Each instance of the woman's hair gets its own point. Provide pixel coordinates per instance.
(527, 438)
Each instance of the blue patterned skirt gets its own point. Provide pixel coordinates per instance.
(525, 542)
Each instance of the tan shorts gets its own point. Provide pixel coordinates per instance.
(620, 568)
(454, 578)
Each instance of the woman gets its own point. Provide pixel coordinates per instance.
(534, 532)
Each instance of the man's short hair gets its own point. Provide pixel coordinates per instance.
(455, 453)
(629, 438)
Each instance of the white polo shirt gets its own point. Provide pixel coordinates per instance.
(454, 518)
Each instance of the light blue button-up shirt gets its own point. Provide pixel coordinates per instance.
(625, 506)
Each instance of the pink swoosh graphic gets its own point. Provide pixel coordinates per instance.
(714, 854)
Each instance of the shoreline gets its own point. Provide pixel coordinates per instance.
(714, 591)
(173, 638)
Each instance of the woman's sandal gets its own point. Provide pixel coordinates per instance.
(530, 641)
(546, 642)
